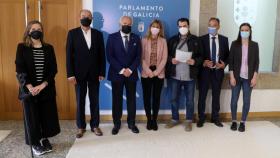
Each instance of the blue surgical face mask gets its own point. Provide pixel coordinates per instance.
(212, 30)
(245, 34)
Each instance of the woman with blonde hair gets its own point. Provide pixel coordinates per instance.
(36, 59)
(154, 57)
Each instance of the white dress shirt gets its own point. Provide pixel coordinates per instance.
(217, 46)
(87, 36)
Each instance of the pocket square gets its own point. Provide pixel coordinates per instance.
(134, 44)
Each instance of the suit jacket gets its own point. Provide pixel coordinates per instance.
(118, 58)
(161, 57)
(235, 59)
(223, 49)
(25, 64)
(193, 46)
(81, 60)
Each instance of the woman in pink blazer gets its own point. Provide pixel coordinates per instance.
(154, 57)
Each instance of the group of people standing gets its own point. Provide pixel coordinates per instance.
(125, 53)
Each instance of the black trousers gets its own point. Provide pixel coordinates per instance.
(215, 78)
(41, 118)
(151, 96)
(117, 93)
(81, 90)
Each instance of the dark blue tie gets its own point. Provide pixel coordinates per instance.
(126, 43)
(214, 51)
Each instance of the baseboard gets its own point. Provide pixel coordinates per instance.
(225, 117)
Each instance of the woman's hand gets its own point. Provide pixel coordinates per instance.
(254, 80)
(36, 90)
(232, 79)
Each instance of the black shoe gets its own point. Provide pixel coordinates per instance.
(38, 150)
(133, 128)
(149, 125)
(233, 126)
(46, 143)
(154, 125)
(200, 124)
(218, 123)
(115, 130)
(241, 127)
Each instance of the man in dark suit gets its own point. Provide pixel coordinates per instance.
(215, 55)
(123, 53)
(85, 69)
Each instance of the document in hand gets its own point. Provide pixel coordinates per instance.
(183, 56)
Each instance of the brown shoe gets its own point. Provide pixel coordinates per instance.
(97, 131)
(188, 126)
(171, 124)
(80, 133)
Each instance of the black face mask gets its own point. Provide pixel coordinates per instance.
(126, 29)
(86, 22)
(36, 34)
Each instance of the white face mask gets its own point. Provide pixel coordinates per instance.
(183, 30)
(155, 30)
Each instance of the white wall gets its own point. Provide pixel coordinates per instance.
(263, 100)
(263, 21)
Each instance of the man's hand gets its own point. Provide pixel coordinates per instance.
(174, 61)
(72, 80)
(127, 72)
(100, 78)
(191, 61)
(220, 66)
(208, 63)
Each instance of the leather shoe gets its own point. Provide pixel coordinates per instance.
(218, 123)
(200, 124)
(134, 129)
(80, 133)
(97, 131)
(115, 130)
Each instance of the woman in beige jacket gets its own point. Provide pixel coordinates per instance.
(154, 57)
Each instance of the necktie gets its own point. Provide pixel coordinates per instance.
(126, 43)
(213, 50)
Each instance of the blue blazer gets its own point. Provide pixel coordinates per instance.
(118, 58)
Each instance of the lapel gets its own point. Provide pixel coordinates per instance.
(250, 48)
(220, 46)
(159, 45)
(92, 39)
(130, 42)
(208, 46)
(119, 38)
(30, 58)
(82, 37)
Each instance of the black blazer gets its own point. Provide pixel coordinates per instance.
(25, 64)
(80, 60)
(235, 59)
(223, 48)
(193, 46)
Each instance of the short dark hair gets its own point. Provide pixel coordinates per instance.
(183, 20)
(215, 19)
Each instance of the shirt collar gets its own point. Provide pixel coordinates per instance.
(89, 31)
(123, 34)
(210, 36)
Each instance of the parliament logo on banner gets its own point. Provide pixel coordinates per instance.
(106, 16)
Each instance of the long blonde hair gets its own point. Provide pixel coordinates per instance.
(161, 32)
(26, 37)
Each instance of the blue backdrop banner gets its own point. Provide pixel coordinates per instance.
(106, 15)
